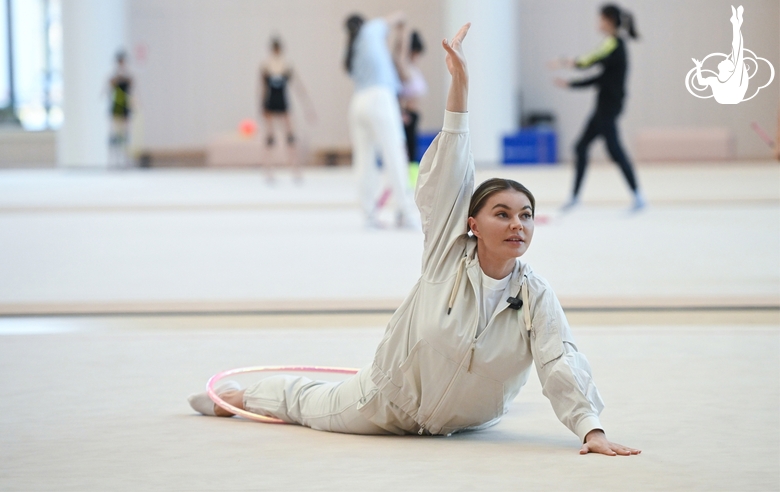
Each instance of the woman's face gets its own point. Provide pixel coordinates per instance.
(505, 224)
(606, 25)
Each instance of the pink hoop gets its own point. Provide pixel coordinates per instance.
(253, 416)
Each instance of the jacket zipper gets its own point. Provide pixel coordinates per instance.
(490, 322)
(471, 359)
(470, 355)
(443, 396)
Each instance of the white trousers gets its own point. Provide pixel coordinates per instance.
(326, 406)
(377, 130)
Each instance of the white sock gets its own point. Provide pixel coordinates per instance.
(200, 402)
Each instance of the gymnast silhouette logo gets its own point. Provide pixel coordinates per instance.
(735, 70)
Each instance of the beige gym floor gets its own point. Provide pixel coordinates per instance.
(677, 309)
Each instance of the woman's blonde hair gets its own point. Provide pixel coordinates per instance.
(493, 186)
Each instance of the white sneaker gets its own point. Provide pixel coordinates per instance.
(639, 203)
(201, 403)
(372, 222)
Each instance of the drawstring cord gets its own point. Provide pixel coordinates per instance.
(526, 304)
(523, 293)
(454, 292)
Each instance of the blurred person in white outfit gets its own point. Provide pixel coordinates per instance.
(375, 121)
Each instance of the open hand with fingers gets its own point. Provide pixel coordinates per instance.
(456, 65)
(455, 59)
(596, 442)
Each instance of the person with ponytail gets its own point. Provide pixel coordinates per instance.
(613, 59)
(375, 118)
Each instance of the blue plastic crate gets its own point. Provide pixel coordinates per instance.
(531, 146)
(424, 140)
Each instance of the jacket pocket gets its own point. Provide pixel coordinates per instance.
(548, 341)
(473, 400)
(421, 380)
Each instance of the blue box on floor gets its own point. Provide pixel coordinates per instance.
(424, 140)
(531, 146)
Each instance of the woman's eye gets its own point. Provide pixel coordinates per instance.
(501, 214)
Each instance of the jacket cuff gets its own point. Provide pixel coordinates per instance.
(586, 425)
(455, 122)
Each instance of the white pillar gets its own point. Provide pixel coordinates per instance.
(92, 32)
(491, 50)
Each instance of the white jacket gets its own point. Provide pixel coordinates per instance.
(429, 363)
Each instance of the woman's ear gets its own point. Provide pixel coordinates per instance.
(473, 226)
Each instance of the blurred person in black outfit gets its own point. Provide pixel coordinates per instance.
(276, 77)
(120, 87)
(613, 59)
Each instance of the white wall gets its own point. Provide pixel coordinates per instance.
(199, 78)
(92, 32)
(671, 34)
(202, 56)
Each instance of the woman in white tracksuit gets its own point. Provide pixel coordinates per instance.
(375, 121)
(461, 346)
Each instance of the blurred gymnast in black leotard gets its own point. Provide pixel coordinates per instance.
(276, 77)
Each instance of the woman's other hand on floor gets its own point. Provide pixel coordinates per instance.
(596, 442)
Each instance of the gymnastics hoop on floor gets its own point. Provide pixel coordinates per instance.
(242, 370)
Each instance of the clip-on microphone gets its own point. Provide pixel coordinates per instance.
(515, 302)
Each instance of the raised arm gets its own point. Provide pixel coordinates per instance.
(400, 51)
(395, 19)
(457, 98)
(262, 87)
(446, 179)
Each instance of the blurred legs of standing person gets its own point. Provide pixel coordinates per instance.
(375, 126)
(120, 87)
(603, 124)
(118, 142)
(273, 121)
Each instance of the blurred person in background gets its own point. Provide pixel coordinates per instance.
(120, 87)
(613, 59)
(408, 49)
(375, 121)
(276, 75)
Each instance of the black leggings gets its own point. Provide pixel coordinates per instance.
(602, 124)
(410, 128)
